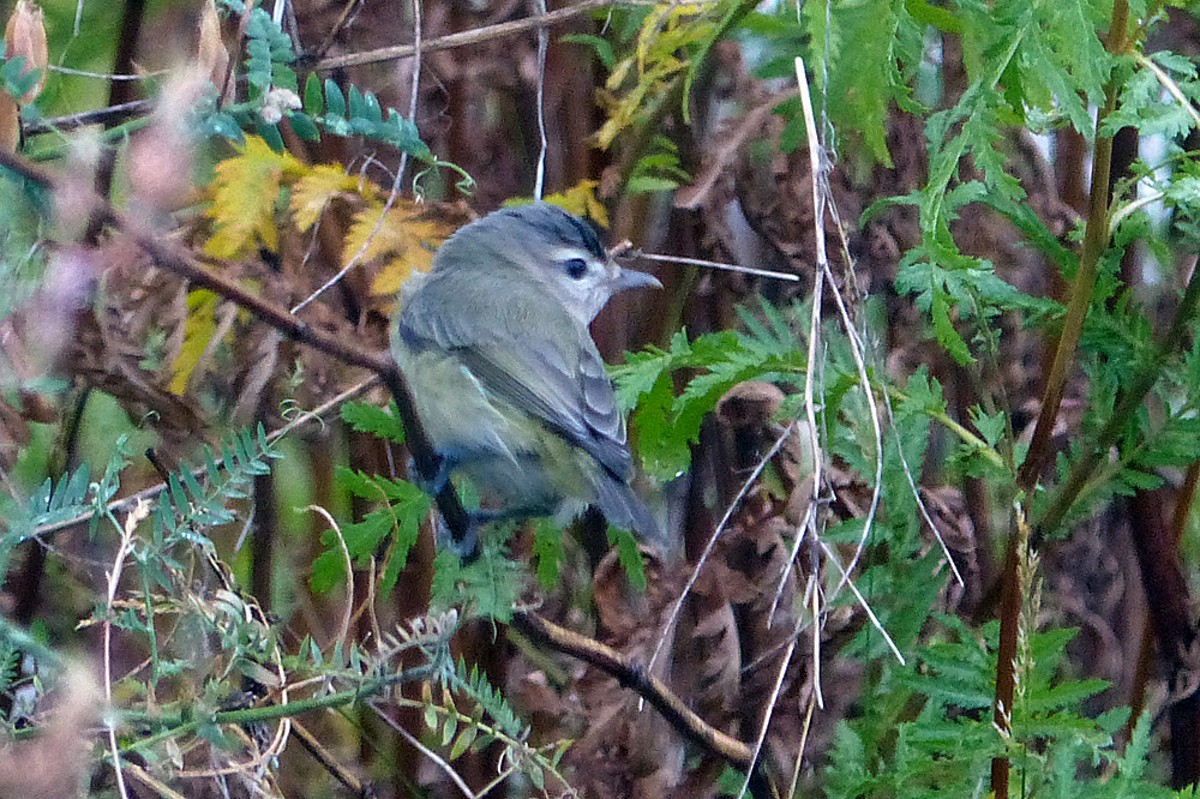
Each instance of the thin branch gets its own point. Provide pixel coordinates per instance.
(634, 676)
(314, 747)
(744, 270)
(437, 759)
(462, 39)
(124, 548)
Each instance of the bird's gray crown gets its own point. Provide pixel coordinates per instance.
(518, 226)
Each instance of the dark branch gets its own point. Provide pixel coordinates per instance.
(461, 39)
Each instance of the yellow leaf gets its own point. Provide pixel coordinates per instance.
(406, 236)
(198, 330)
(311, 193)
(581, 200)
(244, 194)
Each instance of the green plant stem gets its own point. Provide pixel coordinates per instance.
(970, 439)
(179, 724)
(1095, 242)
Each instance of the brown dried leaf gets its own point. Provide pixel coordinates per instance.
(211, 54)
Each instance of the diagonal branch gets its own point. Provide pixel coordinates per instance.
(173, 258)
(462, 39)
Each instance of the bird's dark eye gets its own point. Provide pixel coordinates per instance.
(575, 268)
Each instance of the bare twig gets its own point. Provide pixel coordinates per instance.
(639, 678)
(744, 270)
(464, 38)
(100, 116)
(124, 548)
(437, 759)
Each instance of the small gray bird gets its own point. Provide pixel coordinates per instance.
(507, 381)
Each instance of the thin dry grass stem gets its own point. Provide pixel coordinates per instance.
(814, 338)
(857, 339)
(437, 759)
(772, 702)
(247, 528)
(140, 511)
(822, 202)
(201, 472)
(801, 536)
(912, 486)
(862, 601)
(543, 44)
(256, 765)
(804, 731)
(372, 616)
(348, 614)
(679, 259)
(349, 11)
(159, 787)
(393, 193)
(712, 542)
(83, 73)
(504, 773)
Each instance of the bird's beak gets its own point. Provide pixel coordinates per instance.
(632, 279)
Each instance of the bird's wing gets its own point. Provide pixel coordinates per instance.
(575, 400)
(571, 394)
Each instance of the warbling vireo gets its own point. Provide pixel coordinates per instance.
(507, 381)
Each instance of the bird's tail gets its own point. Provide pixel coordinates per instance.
(625, 509)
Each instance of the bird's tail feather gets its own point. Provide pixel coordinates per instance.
(625, 509)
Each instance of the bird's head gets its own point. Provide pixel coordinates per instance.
(557, 250)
